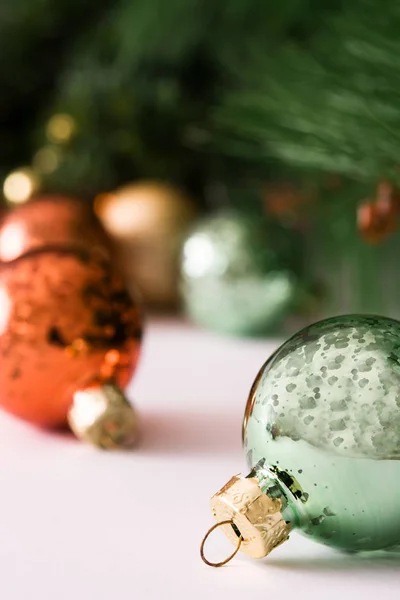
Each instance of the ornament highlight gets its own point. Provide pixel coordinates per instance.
(322, 438)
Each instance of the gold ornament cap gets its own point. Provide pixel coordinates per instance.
(103, 417)
(249, 517)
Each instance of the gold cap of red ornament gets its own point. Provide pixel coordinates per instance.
(102, 416)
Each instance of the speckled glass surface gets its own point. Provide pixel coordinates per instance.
(324, 413)
(236, 276)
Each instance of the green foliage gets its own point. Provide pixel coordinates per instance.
(202, 92)
(330, 103)
(36, 37)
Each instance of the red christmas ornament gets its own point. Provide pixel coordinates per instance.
(70, 333)
(379, 219)
(51, 220)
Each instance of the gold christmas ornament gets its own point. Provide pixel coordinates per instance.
(103, 417)
(148, 222)
(20, 185)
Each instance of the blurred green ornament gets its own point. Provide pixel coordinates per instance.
(238, 274)
(322, 437)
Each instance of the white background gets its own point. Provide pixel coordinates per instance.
(78, 523)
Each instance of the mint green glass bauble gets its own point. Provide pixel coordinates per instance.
(237, 274)
(323, 423)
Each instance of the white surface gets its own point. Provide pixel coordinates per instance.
(76, 523)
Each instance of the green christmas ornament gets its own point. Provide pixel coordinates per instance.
(322, 438)
(238, 274)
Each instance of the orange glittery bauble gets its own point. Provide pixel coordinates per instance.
(51, 221)
(66, 322)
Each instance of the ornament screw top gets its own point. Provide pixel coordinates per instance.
(103, 416)
(250, 519)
